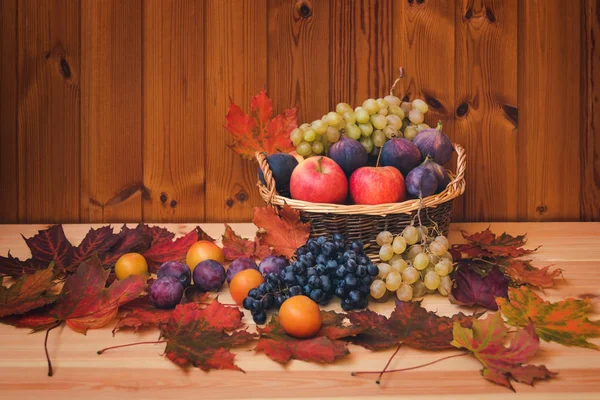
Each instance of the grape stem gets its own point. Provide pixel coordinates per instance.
(400, 76)
(129, 345)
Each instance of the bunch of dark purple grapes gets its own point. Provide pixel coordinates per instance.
(338, 269)
(269, 294)
(323, 268)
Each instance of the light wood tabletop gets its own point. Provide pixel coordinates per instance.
(141, 372)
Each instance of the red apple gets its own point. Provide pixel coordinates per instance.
(319, 180)
(377, 185)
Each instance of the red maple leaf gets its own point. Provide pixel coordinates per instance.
(198, 336)
(284, 233)
(51, 245)
(485, 340)
(252, 134)
(325, 347)
(27, 293)
(12, 266)
(128, 241)
(235, 246)
(84, 302)
(141, 313)
(409, 323)
(486, 244)
(96, 241)
(470, 288)
(164, 249)
(158, 234)
(523, 273)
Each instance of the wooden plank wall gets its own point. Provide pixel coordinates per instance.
(113, 111)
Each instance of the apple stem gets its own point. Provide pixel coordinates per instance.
(319, 166)
(378, 157)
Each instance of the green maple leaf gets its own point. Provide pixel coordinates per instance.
(564, 322)
(485, 340)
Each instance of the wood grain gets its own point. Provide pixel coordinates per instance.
(424, 44)
(549, 99)
(590, 139)
(111, 112)
(298, 56)
(9, 164)
(48, 110)
(236, 68)
(485, 88)
(173, 112)
(362, 65)
(140, 372)
(136, 129)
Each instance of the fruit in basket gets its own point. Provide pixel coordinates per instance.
(434, 143)
(203, 250)
(272, 265)
(166, 292)
(240, 264)
(421, 182)
(243, 282)
(176, 269)
(401, 154)
(131, 264)
(377, 185)
(282, 165)
(441, 175)
(300, 317)
(349, 155)
(209, 275)
(319, 180)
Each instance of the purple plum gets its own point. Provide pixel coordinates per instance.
(166, 292)
(209, 275)
(176, 269)
(272, 265)
(238, 265)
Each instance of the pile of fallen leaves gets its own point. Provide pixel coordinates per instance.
(75, 284)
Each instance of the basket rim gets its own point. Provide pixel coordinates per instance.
(454, 189)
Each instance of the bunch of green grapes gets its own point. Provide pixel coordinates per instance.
(413, 263)
(373, 123)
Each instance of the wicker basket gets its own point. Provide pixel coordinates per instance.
(364, 222)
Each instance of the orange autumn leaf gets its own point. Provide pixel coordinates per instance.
(260, 132)
(564, 322)
(523, 273)
(235, 246)
(485, 340)
(284, 233)
(28, 292)
(487, 244)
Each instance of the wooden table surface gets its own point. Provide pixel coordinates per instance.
(140, 372)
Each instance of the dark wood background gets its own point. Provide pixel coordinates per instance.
(113, 110)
